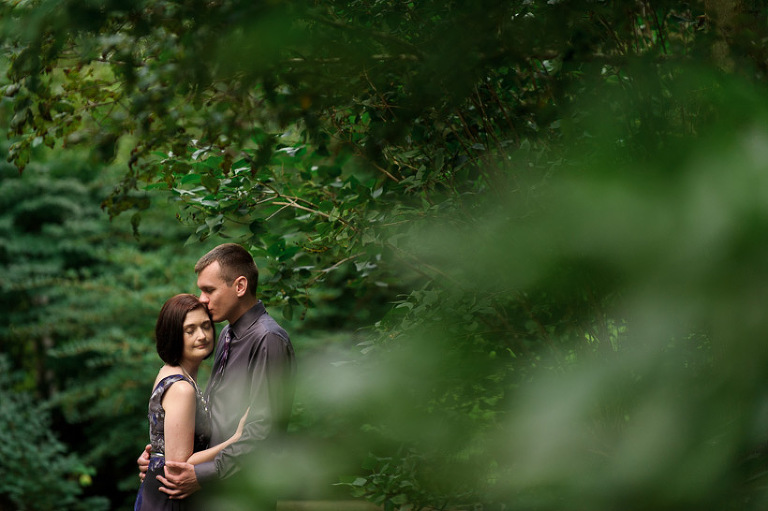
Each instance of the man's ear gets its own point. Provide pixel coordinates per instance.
(241, 286)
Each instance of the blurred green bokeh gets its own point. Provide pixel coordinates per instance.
(564, 203)
(651, 394)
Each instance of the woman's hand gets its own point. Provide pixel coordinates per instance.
(200, 457)
(143, 462)
(240, 425)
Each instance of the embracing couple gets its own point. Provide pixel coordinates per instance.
(198, 439)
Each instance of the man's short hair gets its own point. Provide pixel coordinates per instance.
(235, 261)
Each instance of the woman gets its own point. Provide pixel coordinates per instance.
(179, 422)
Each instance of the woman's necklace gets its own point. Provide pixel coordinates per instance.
(197, 389)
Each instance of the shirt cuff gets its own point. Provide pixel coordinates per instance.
(206, 472)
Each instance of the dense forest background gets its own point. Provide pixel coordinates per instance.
(520, 246)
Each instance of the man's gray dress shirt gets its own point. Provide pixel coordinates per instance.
(259, 372)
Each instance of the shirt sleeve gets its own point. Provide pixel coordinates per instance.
(271, 369)
(206, 472)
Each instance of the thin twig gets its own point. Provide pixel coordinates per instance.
(383, 100)
(423, 264)
(381, 36)
(325, 271)
(385, 172)
(275, 213)
(294, 204)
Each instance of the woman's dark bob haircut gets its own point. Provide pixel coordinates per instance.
(169, 330)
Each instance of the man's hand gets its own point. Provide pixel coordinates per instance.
(180, 480)
(143, 462)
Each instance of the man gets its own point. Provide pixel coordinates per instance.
(254, 367)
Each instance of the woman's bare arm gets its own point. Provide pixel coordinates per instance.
(179, 404)
(210, 453)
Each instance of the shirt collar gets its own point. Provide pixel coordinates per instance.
(246, 321)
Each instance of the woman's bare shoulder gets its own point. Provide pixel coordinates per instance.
(180, 390)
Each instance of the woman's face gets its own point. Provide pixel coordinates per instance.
(198, 336)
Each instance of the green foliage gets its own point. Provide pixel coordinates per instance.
(562, 201)
(37, 471)
(325, 170)
(604, 348)
(393, 483)
(80, 296)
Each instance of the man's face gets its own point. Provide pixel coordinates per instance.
(220, 298)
